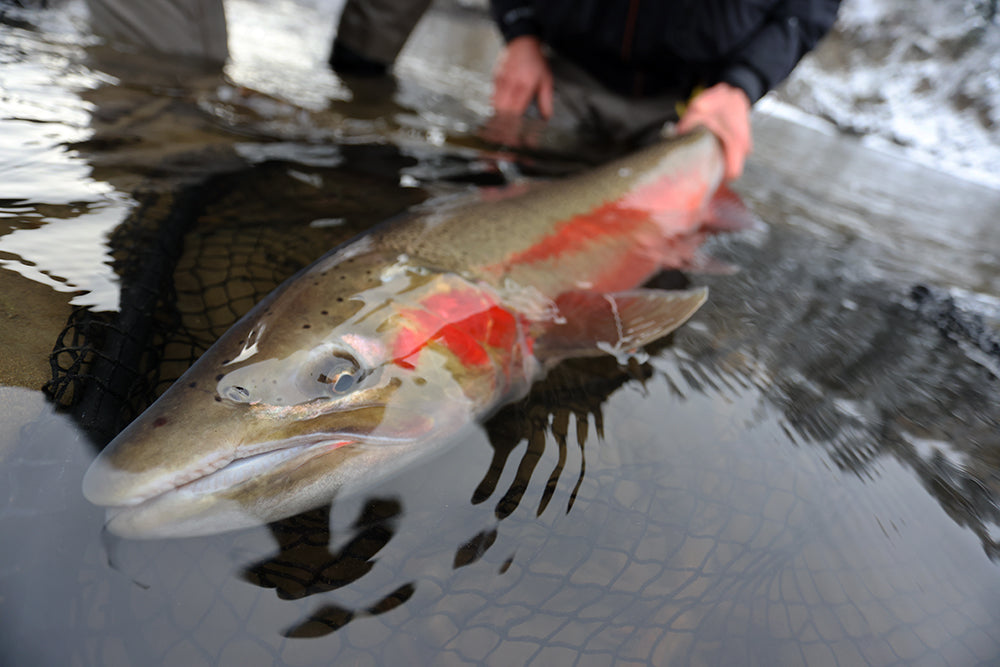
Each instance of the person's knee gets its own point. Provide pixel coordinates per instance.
(191, 28)
(371, 33)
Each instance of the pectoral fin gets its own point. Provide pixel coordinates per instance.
(592, 323)
(727, 212)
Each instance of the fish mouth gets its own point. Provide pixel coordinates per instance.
(259, 485)
(232, 473)
(246, 468)
(230, 465)
(211, 503)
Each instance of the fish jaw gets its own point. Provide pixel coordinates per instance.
(258, 490)
(251, 467)
(212, 503)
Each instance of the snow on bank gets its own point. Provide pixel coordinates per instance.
(922, 74)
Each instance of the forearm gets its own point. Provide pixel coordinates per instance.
(768, 58)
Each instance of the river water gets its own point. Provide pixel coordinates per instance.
(806, 473)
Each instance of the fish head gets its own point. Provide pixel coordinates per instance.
(279, 416)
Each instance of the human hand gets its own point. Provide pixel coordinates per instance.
(725, 111)
(513, 131)
(522, 74)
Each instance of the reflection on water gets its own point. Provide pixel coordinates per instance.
(57, 213)
(42, 109)
(805, 474)
(68, 253)
(305, 566)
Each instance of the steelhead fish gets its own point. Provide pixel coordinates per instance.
(383, 349)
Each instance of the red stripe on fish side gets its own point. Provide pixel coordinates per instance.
(670, 204)
(466, 322)
(581, 231)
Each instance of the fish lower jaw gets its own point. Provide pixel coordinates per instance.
(246, 468)
(108, 485)
(210, 504)
(205, 479)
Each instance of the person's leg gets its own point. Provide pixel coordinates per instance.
(586, 107)
(371, 33)
(588, 121)
(191, 28)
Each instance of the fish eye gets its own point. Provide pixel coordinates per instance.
(339, 383)
(339, 373)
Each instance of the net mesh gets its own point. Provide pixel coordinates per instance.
(191, 263)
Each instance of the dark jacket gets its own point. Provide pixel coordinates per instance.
(650, 47)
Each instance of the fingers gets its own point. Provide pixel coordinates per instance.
(725, 111)
(544, 96)
(513, 131)
(511, 96)
(503, 129)
(522, 75)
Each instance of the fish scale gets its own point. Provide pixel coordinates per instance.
(553, 234)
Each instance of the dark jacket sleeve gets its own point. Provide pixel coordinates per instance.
(794, 29)
(515, 18)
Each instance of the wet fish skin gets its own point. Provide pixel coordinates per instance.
(383, 350)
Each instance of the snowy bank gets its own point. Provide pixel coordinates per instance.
(921, 74)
